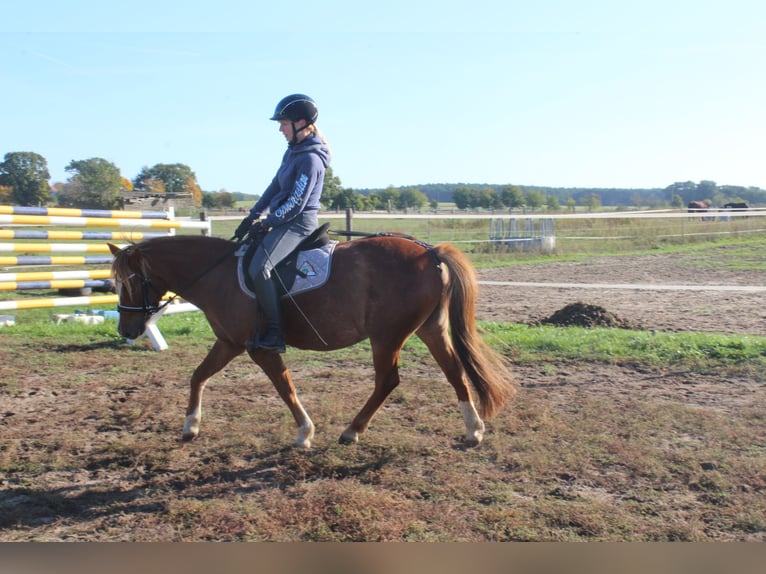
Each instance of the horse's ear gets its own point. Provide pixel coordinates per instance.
(113, 248)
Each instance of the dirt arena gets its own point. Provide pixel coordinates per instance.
(661, 309)
(92, 451)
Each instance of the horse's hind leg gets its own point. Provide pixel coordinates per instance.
(217, 358)
(274, 367)
(386, 361)
(436, 337)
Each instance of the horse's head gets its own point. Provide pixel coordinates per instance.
(139, 291)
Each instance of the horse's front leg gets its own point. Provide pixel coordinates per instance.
(274, 367)
(217, 358)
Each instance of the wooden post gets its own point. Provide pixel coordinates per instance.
(349, 225)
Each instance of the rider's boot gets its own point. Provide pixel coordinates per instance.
(272, 339)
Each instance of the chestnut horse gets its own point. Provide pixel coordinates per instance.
(382, 288)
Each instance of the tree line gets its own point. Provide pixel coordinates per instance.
(96, 183)
(533, 198)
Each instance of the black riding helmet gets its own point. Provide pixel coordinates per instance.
(296, 107)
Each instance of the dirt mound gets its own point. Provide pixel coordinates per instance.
(584, 315)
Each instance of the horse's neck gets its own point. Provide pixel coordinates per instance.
(185, 273)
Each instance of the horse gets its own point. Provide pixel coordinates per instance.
(736, 205)
(697, 206)
(384, 288)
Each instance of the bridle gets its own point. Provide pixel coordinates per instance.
(147, 308)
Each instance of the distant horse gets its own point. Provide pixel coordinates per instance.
(382, 288)
(697, 206)
(736, 205)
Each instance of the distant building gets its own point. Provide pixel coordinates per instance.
(144, 201)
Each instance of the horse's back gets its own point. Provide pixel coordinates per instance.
(378, 286)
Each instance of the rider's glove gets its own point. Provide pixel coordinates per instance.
(244, 228)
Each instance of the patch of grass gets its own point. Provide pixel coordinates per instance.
(526, 343)
(523, 343)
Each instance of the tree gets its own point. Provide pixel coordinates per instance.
(126, 184)
(463, 197)
(496, 201)
(26, 173)
(592, 201)
(347, 199)
(153, 185)
(335, 196)
(707, 188)
(175, 178)
(534, 199)
(220, 200)
(95, 184)
(552, 203)
(385, 199)
(331, 189)
(512, 196)
(686, 189)
(411, 198)
(193, 187)
(6, 194)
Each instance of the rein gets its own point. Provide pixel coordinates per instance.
(146, 284)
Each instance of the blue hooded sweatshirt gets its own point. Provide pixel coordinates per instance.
(298, 184)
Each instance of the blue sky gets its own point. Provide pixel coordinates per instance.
(591, 93)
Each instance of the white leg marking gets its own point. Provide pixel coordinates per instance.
(191, 426)
(474, 426)
(305, 429)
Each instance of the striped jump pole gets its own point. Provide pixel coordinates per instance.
(56, 260)
(57, 302)
(51, 220)
(74, 212)
(55, 247)
(76, 235)
(57, 284)
(44, 303)
(56, 275)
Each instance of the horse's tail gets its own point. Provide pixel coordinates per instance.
(486, 370)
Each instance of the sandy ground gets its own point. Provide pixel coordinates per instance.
(665, 310)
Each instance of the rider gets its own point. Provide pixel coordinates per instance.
(292, 200)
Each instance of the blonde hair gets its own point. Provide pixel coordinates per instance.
(313, 128)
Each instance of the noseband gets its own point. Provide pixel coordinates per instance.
(147, 308)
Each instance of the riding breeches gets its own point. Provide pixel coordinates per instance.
(279, 242)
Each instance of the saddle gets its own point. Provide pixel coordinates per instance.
(308, 264)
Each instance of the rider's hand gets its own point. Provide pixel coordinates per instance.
(244, 228)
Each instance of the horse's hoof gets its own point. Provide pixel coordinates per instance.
(348, 439)
(188, 436)
(471, 442)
